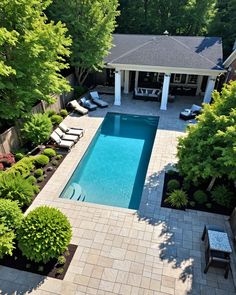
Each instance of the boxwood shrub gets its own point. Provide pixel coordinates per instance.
(56, 119)
(49, 152)
(38, 172)
(200, 197)
(44, 234)
(7, 237)
(63, 113)
(10, 214)
(41, 160)
(172, 185)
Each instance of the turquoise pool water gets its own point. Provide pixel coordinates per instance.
(113, 169)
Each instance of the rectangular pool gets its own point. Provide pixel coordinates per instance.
(113, 169)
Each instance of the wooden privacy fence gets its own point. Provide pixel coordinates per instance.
(10, 139)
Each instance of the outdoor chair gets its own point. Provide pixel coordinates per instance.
(68, 144)
(86, 103)
(71, 130)
(97, 99)
(77, 107)
(65, 136)
(189, 114)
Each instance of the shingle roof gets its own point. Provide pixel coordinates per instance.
(167, 51)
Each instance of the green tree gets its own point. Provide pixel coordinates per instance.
(188, 17)
(224, 23)
(90, 23)
(209, 149)
(32, 54)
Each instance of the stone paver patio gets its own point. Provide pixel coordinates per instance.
(120, 251)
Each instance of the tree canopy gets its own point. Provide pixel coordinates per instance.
(32, 53)
(90, 23)
(209, 149)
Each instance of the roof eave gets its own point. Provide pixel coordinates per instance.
(230, 59)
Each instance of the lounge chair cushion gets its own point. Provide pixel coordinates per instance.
(71, 131)
(66, 136)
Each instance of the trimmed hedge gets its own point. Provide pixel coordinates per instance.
(56, 119)
(41, 160)
(44, 234)
(38, 172)
(49, 152)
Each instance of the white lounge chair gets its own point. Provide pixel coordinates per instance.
(65, 136)
(97, 99)
(77, 107)
(86, 103)
(71, 131)
(68, 144)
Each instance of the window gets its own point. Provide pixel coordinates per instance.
(177, 78)
(192, 79)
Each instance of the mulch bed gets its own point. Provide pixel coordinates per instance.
(201, 207)
(18, 261)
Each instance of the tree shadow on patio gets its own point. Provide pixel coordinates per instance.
(13, 281)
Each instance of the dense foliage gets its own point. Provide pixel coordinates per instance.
(32, 52)
(209, 149)
(10, 214)
(45, 234)
(90, 23)
(37, 128)
(6, 240)
(177, 198)
(41, 160)
(15, 187)
(49, 152)
(56, 119)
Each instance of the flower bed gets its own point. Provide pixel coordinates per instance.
(205, 203)
(51, 269)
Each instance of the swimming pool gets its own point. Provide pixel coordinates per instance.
(113, 169)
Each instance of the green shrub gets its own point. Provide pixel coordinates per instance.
(10, 214)
(55, 163)
(38, 172)
(59, 271)
(63, 113)
(36, 189)
(16, 188)
(79, 90)
(58, 157)
(56, 119)
(32, 179)
(177, 199)
(222, 196)
(19, 156)
(41, 178)
(51, 113)
(186, 185)
(37, 129)
(6, 241)
(41, 160)
(172, 185)
(61, 260)
(44, 234)
(49, 152)
(22, 167)
(200, 197)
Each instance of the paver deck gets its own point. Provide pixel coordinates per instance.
(120, 251)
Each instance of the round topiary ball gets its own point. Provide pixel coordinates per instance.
(10, 214)
(56, 119)
(200, 197)
(49, 152)
(44, 234)
(63, 113)
(41, 160)
(38, 172)
(172, 185)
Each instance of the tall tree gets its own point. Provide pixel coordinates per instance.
(90, 23)
(188, 17)
(224, 24)
(32, 52)
(209, 149)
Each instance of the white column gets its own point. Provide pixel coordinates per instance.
(209, 88)
(136, 79)
(199, 84)
(165, 92)
(126, 85)
(117, 101)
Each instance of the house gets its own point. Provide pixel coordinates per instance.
(177, 65)
(230, 65)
